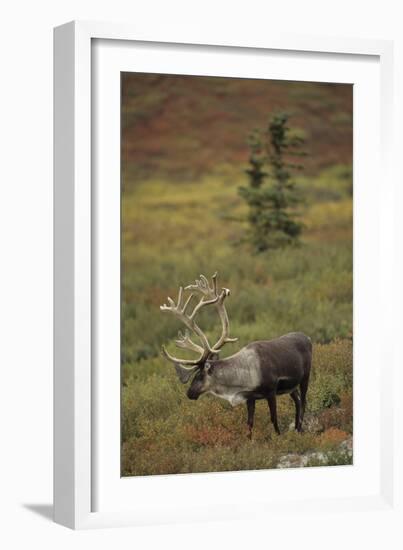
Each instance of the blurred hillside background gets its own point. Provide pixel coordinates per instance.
(184, 155)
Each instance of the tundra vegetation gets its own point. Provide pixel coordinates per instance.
(179, 205)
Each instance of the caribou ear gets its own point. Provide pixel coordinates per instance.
(209, 368)
(184, 373)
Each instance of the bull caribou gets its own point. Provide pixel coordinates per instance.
(260, 370)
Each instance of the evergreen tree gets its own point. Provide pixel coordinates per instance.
(271, 196)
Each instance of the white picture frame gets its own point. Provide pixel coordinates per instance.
(88, 492)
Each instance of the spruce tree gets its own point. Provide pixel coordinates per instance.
(271, 195)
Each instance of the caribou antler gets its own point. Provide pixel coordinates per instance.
(201, 285)
(209, 297)
(185, 342)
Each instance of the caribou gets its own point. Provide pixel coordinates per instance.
(260, 370)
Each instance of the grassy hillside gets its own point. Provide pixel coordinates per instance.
(183, 128)
(184, 154)
(173, 232)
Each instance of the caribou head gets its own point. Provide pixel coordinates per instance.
(201, 367)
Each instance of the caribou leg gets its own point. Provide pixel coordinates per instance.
(250, 404)
(273, 411)
(304, 388)
(298, 409)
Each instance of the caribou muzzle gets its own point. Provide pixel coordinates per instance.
(193, 394)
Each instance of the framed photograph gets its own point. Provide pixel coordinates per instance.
(223, 276)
